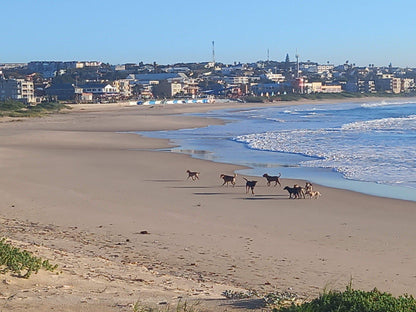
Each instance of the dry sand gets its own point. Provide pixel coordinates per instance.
(125, 225)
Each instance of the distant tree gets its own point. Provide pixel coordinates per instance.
(287, 60)
(64, 79)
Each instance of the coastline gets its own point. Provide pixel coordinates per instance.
(98, 188)
(256, 160)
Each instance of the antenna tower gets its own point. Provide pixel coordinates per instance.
(297, 64)
(213, 53)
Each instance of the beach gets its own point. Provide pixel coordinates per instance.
(118, 215)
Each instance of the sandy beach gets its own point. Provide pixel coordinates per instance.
(125, 225)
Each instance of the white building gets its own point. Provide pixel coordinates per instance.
(17, 89)
(237, 80)
(275, 77)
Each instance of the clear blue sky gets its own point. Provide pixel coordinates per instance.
(169, 31)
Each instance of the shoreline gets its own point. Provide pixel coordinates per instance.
(79, 192)
(329, 180)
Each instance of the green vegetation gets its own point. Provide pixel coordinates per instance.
(352, 300)
(14, 260)
(13, 108)
(180, 307)
(255, 99)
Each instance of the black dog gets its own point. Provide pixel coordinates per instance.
(274, 179)
(250, 185)
(293, 191)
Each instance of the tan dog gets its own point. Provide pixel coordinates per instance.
(314, 194)
(228, 179)
(193, 175)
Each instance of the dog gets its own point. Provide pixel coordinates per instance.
(301, 191)
(228, 179)
(193, 175)
(250, 186)
(274, 179)
(294, 192)
(314, 194)
(308, 187)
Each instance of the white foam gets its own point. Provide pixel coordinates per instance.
(345, 151)
(385, 103)
(400, 123)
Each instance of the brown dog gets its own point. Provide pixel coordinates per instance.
(193, 175)
(228, 179)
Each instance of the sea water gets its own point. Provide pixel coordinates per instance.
(365, 147)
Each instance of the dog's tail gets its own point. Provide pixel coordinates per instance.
(279, 175)
(245, 179)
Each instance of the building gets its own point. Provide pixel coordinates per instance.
(191, 87)
(17, 89)
(145, 79)
(236, 80)
(12, 65)
(331, 89)
(312, 87)
(408, 85)
(123, 87)
(275, 77)
(100, 91)
(61, 91)
(324, 68)
(308, 67)
(166, 89)
(396, 85)
(384, 84)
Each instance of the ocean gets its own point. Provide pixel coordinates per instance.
(364, 147)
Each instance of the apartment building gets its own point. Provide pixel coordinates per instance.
(366, 86)
(408, 85)
(166, 89)
(123, 87)
(313, 87)
(236, 80)
(17, 89)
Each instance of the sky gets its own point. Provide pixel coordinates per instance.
(363, 32)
